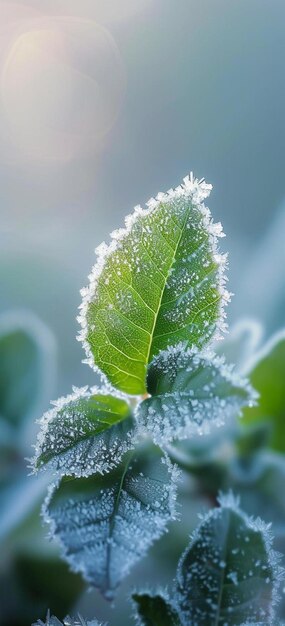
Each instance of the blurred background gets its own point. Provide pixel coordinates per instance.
(103, 104)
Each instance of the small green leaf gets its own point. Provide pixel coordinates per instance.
(229, 574)
(105, 524)
(155, 610)
(85, 433)
(189, 393)
(266, 372)
(161, 281)
(26, 367)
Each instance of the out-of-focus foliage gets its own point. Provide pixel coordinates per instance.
(267, 374)
(31, 575)
(27, 374)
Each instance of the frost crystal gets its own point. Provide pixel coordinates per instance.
(191, 391)
(105, 525)
(161, 279)
(85, 433)
(68, 621)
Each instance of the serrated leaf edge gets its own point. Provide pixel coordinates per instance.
(232, 502)
(59, 404)
(226, 370)
(174, 473)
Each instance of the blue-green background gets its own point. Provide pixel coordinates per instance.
(204, 91)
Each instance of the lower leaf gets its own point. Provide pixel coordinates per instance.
(105, 524)
(229, 574)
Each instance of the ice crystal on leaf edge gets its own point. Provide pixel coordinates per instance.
(79, 460)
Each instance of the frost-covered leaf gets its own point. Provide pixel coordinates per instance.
(159, 282)
(155, 610)
(68, 621)
(229, 574)
(26, 367)
(105, 524)
(266, 372)
(189, 393)
(85, 433)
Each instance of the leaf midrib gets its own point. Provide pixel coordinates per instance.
(46, 458)
(113, 518)
(221, 592)
(152, 334)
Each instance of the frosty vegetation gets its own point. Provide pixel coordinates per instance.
(150, 319)
(68, 621)
(227, 572)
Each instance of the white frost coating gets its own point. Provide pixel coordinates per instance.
(77, 450)
(204, 565)
(103, 532)
(195, 391)
(68, 621)
(197, 191)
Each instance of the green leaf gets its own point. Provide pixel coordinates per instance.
(229, 574)
(85, 433)
(160, 282)
(105, 524)
(27, 356)
(266, 372)
(190, 392)
(155, 610)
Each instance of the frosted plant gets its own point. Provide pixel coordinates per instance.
(190, 391)
(229, 574)
(68, 621)
(150, 316)
(106, 525)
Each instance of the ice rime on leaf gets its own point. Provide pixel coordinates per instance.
(229, 574)
(190, 392)
(106, 524)
(85, 433)
(68, 621)
(160, 281)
